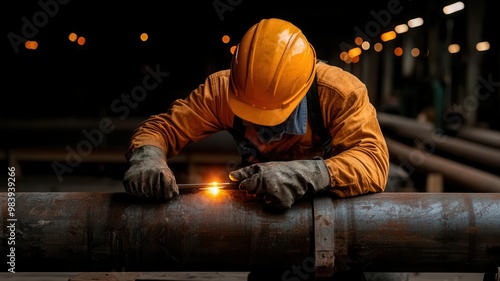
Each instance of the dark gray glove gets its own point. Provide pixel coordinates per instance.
(149, 176)
(282, 183)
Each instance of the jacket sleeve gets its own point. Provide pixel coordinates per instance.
(360, 161)
(186, 120)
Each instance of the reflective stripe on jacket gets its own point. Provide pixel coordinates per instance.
(360, 159)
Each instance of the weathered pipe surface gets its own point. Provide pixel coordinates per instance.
(114, 232)
(230, 231)
(418, 232)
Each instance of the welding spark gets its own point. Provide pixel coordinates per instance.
(214, 189)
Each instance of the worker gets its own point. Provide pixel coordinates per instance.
(270, 100)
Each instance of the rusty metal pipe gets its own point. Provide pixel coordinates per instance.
(418, 232)
(463, 176)
(230, 231)
(424, 135)
(480, 135)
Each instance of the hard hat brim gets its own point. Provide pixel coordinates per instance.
(267, 117)
(259, 116)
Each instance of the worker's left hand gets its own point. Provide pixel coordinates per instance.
(282, 183)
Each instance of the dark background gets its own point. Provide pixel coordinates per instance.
(61, 78)
(50, 95)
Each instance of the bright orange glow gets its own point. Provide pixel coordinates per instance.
(214, 190)
(398, 51)
(225, 39)
(354, 52)
(144, 37)
(81, 40)
(31, 45)
(72, 37)
(233, 48)
(355, 59)
(388, 36)
(358, 40)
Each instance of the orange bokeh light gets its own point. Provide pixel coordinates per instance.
(31, 45)
(81, 40)
(398, 51)
(72, 37)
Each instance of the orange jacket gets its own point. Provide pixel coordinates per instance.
(360, 159)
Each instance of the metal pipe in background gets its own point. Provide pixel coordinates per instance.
(483, 136)
(230, 231)
(467, 178)
(465, 149)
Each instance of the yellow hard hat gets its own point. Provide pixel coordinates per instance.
(271, 71)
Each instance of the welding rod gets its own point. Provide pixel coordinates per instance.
(226, 185)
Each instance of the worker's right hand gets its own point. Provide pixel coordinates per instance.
(149, 176)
